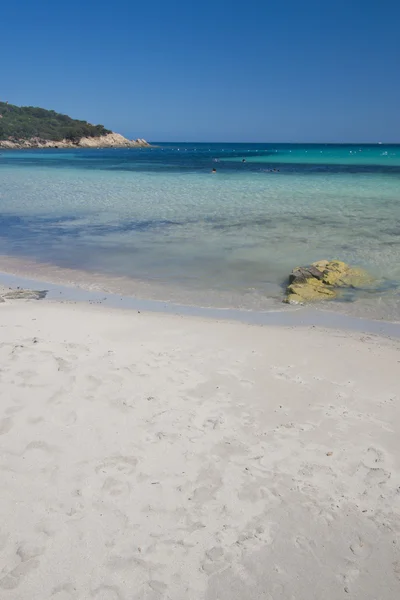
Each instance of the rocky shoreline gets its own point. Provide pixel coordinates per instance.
(111, 140)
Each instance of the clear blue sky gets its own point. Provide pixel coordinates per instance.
(250, 70)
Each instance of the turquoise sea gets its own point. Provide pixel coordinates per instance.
(157, 223)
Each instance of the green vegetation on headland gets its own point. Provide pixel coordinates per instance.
(27, 122)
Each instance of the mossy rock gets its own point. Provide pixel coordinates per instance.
(310, 291)
(338, 273)
(322, 281)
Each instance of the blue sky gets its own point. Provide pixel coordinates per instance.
(291, 71)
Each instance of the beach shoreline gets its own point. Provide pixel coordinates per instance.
(184, 457)
(120, 292)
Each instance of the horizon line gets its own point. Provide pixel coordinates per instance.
(279, 143)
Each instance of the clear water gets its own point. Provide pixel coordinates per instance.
(158, 217)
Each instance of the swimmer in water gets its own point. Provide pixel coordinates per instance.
(214, 171)
(243, 160)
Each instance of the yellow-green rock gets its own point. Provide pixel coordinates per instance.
(338, 273)
(321, 281)
(309, 291)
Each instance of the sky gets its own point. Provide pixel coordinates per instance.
(250, 71)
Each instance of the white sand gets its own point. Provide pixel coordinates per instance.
(149, 457)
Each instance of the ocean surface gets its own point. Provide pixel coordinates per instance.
(158, 223)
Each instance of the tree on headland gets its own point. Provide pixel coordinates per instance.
(26, 122)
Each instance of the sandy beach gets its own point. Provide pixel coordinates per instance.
(157, 457)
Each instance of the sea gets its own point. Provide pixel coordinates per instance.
(158, 223)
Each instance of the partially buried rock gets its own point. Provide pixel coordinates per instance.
(25, 295)
(322, 280)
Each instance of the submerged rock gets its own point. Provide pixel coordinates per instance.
(322, 281)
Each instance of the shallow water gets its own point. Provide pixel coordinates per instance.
(160, 218)
(303, 316)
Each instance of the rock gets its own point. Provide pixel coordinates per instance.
(338, 273)
(309, 291)
(110, 140)
(141, 142)
(301, 274)
(321, 280)
(25, 295)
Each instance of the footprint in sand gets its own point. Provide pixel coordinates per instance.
(65, 591)
(16, 576)
(213, 561)
(5, 425)
(28, 551)
(70, 418)
(373, 462)
(124, 465)
(26, 375)
(360, 548)
(62, 364)
(396, 569)
(204, 494)
(305, 544)
(157, 586)
(373, 457)
(107, 592)
(377, 476)
(28, 555)
(256, 535)
(93, 383)
(43, 446)
(116, 487)
(35, 420)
